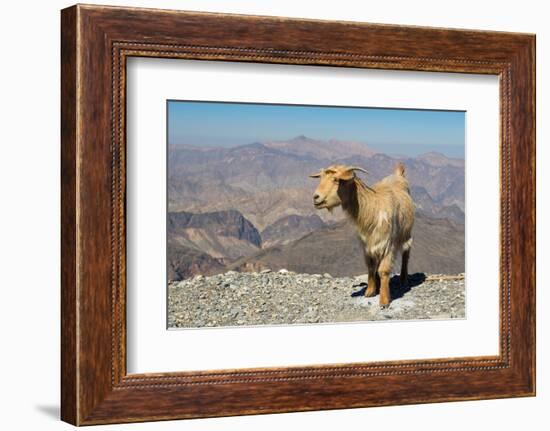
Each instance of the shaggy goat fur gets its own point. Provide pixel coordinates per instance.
(382, 213)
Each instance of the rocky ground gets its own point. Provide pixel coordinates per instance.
(284, 297)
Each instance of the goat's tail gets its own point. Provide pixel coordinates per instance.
(399, 170)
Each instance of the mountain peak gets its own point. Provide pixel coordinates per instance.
(301, 138)
(253, 145)
(432, 153)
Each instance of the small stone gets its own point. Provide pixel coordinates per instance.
(283, 271)
(265, 271)
(327, 275)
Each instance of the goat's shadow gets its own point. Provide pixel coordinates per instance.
(396, 290)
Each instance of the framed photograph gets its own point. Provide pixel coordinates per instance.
(263, 214)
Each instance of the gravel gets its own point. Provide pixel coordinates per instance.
(284, 297)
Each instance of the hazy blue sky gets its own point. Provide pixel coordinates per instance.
(403, 131)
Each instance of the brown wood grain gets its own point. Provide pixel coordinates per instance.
(96, 41)
(69, 368)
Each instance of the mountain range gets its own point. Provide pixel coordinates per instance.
(249, 207)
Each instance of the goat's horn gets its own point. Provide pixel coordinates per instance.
(358, 169)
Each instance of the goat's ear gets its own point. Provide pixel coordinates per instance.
(317, 175)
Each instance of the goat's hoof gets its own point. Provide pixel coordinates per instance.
(384, 304)
(370, 293)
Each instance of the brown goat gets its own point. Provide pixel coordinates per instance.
(383, 215)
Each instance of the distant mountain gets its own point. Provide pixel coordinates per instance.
(290, 227)
(213, 243)
(223, 235)
(250, 206)
(453, 194)
(185, 261)
(318, 149)
(426, 205)
(268, 181)
(438, 247)
(437, 159)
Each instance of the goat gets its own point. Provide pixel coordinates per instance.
(383, 215)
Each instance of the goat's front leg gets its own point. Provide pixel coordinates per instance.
(384, 271)
(373, 275)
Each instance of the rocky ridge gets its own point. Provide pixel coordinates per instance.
(285, 297)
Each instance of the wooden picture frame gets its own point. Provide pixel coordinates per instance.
(95, 43)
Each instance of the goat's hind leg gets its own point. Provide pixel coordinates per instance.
(404, 276)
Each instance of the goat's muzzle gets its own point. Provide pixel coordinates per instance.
(317, 201)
